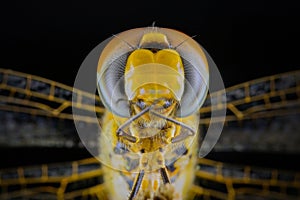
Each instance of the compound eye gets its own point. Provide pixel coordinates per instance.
(167, 103)
(141, 104)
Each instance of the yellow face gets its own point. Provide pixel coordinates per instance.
(151, 87)
(158, 96)
(154, 78)
(164, 59)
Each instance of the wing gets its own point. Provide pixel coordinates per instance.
(69, 180)
(31, 94)
(43, 107)
(48, 100)
(265, 97)
(218, 180)
(262, 115)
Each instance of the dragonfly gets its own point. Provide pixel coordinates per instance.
(262, 98)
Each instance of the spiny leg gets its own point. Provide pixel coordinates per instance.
(163, 170)
(137, 185)
(164, 175)
(138, 181)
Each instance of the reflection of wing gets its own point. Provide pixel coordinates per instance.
(36, 96)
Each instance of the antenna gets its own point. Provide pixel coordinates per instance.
(128, 44)
(153, 24)
(184, 41)
(153, 27)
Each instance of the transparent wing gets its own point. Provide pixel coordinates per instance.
(262, 115)
(265, 97)
(71, 180)
(42, 107)
(35, 95)
(37, 99)
(218, 180)
(46, 100)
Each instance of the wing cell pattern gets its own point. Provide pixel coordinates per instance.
(83, 179)
(218, 180)
(70, 180)
(259, 98)
(267, 97)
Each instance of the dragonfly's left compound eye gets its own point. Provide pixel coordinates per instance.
(115, 83)
(110, 85)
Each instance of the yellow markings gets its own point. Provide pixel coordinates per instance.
(145, 184)
(57, 112)
(274, 176)
(62, 107)
(21, 175)
(52, 90)
(154, 37)
(228, 180)
(38, 108)
(155, 185)
(247, 93)
(44, 172)
(247, 172)
(237, 113)
(272, 85)
(245, 181)
(63, 181)
(75, 169)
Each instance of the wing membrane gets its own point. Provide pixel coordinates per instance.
(218, 180)
(259, 98)
(35, 95)
(266, 97)
(214, 180)
(68, 180)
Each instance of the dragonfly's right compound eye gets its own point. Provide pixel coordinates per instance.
(129, 62)
(110, 83)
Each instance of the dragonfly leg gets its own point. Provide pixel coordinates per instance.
(165, 176)
(136, 185)
(127, 136)
(182, 136)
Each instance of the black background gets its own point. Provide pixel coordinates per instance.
(246, 39)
